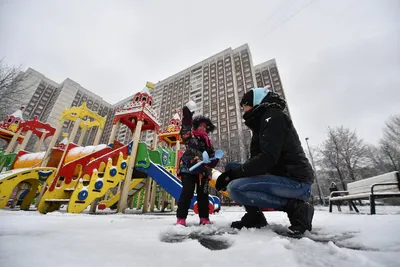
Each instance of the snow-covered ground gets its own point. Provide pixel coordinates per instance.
(28, 238)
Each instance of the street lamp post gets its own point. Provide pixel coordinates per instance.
(321, 199)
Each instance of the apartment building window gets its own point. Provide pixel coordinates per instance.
(223, 130)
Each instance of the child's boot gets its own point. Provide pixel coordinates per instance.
(205, 221)
(180, 221)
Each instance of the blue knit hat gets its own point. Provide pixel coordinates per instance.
(254, 97)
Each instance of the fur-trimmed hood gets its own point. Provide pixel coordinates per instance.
(199, 119)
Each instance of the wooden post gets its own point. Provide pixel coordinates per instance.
(51, 145)
(113, 132)
(46, 158)
(39, 143)
(123, 200)
(154, 184)
(22, 146)
(98, 136)
(14, 140)
(147, 187)
(138, 199)
(153, 195)
(82, 136)
(161, 199)
(177, 149)
(93, 206)
(132, 202)
(172, 203)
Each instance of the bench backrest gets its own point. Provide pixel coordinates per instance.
(364, 186)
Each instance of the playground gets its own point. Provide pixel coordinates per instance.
(109, 204)
(99, 176)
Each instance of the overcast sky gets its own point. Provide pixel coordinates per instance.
(339, 60)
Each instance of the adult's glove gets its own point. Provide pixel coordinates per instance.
(223, 180)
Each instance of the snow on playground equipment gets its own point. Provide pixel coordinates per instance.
(23, 181)
(74, 158)
(171, 137)
(138, 116)
(57, 157)
(15, 130)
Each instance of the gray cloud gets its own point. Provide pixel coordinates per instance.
(338, 60)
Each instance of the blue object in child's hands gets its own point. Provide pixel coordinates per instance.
(206, 159)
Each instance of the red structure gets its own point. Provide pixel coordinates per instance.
(171, 134)
(139, 109)
(10, 126)
(15, 122)
(37, 127)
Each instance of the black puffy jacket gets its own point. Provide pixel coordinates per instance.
(275, 146)
(195, 146)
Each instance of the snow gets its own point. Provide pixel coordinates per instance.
(86, 150)
(11, 173)
(176, 116)
(132, 239)
(18, 114)
(31, 156)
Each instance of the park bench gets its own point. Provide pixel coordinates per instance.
(381, 186)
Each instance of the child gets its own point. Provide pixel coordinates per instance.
(196, 141)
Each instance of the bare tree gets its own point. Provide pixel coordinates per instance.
(390, 143)
(354, 151)
(392, 131)
(331, 158)
(391, 155)
(11, 88)
(345, 153)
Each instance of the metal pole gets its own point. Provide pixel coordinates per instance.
(321, 199)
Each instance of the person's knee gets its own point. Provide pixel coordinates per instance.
(233, 189)
(187, 195)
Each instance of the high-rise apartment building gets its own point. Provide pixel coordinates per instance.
(216, 85)
(47, 100)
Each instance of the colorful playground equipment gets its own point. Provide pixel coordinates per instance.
(102, 175)
(15, 130)
(55, 157)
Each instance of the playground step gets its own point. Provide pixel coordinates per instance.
(66, 200)
(69, 189)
